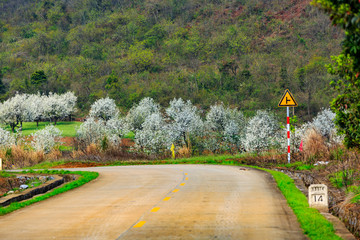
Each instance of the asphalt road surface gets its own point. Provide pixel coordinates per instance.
(161, 202)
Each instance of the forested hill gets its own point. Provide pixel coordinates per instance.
(244, 53)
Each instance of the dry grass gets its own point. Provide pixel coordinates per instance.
(183, 152)
(18, 157)
(314, 146)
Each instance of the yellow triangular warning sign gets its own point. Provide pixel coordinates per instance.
(287, 100)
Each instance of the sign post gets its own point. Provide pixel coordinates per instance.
(287, 101)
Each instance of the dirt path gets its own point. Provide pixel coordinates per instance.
(161, 202)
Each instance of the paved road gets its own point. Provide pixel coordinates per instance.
(161, 202)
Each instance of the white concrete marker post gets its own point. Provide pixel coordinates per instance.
(0, 164)
(318, 197)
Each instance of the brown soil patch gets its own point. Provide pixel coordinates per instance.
(67, 141)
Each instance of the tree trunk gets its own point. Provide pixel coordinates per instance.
(37, 123)
(309, 101)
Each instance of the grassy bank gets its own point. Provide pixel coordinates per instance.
(84, 178)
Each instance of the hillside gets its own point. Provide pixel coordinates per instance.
(241, 52)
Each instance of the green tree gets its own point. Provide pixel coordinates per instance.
(38, 78)
(346, 105)
(2, 86)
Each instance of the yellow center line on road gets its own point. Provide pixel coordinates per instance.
(139, 224)
(176, 190)
(187, 178)
(166, 199)
(186, 174)
(182, 184)
(155, 209)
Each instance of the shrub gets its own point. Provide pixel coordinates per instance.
(260, 131)
(6, 139)
(46, 139)
(138, 113)
(153, 136)
(104, 109)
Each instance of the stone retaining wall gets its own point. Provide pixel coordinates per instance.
(29, 193)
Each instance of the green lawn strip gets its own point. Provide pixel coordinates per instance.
(68, 128)
(84, 178)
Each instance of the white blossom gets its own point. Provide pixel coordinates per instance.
(91, 131)
(46, 139)
(7, 139)
(14, 110)
(153, 136)
(104, 108)
(94, 131)
(57, 106)
(138, 113)
(115, 129)
(260, 131)
(324, 122)
(228, 123)
(185, 120)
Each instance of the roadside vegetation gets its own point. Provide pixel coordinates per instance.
(84, 178)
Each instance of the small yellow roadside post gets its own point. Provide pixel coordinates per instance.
(173, 151)
(0, 164)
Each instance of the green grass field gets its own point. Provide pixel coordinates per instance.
(68, 128)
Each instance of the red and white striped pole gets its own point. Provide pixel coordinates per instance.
(288, 132)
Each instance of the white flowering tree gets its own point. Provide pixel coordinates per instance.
(6, 139)
(260, 131)
(46, 139)
(324, 123)
(115, 129)
(91, 131)
(14, 111)
(95, 130)
(104, 109)
(185, 121)
(58, 107)
(69, 99)
(153, 136)
(35, 107)
(227, 126)
(138, 113)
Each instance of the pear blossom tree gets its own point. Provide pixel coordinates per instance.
(185, 121)
(154, 135)
(324, 123)
(58, 107)
(91, 131)
(6, 139)
(104, 109)
(95, 130)
(46, 139)
(14, 111)
(115, 129)
(138, 113)
(261, 131)
(227, 126)
(35, 107)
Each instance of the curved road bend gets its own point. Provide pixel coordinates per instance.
(161, 202)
